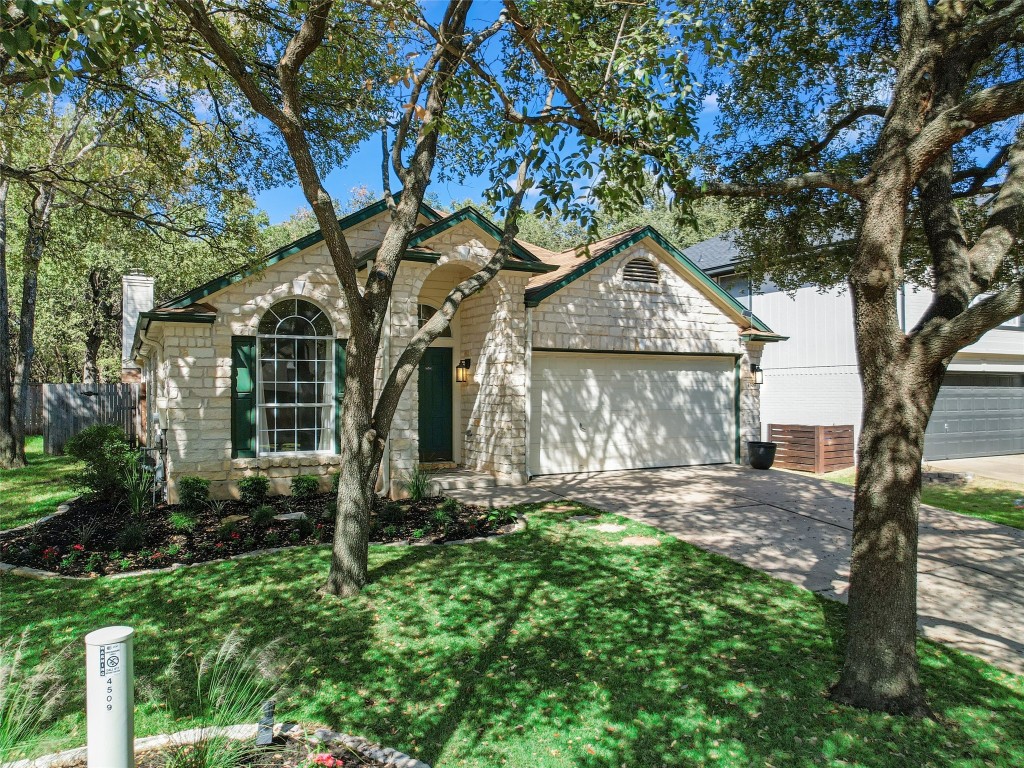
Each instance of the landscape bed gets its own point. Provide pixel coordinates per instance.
(95, 537)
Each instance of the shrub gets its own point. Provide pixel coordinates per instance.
(254, 489)
(106, 452)
(417, 485)
(390, 531)
(263, 515)
(132, 536)
(501, 517)
(182, 522)
(305, 527)
(392, 513)
(225, 531)
(193, 492)
(305, 486)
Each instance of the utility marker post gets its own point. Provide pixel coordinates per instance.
(110, 697)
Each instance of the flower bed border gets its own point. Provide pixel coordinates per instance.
(42, 575)
(246, 732)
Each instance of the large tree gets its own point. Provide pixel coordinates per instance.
(878, 141)
(403, 71)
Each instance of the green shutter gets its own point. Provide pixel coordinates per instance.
(243, 396)
(339, 389)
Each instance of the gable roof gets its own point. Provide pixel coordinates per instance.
(290, 249)
(717, 255)
(574, 264)
(523, 258)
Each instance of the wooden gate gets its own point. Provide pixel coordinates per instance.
(70, 408)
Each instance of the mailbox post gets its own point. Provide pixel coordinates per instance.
(110, 697)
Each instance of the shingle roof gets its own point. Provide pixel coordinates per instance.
(715, 254)
(567, 261)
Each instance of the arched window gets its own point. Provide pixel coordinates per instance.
(296, 379)
(640, 271)
(426, 312)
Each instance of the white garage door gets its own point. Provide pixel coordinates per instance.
(590, 413)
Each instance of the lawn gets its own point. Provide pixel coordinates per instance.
(988, 499)
(552, 647)
(30, 493)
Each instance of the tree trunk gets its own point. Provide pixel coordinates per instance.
(12, 447)
(361, 451)
(91, 366)
(880, 671)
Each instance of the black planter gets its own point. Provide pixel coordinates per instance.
(762, 455)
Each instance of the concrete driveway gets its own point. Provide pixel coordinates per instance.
(797, 528)
(1009, 469)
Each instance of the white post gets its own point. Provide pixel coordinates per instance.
(110, 697)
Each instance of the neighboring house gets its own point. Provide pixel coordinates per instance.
(623, 355)
(813, 379)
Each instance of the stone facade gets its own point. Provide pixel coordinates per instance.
(188, 368)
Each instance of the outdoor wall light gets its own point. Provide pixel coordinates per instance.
(462, 371)
(758, 373)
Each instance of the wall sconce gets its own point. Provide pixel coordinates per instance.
(757, 372)
(462, 371)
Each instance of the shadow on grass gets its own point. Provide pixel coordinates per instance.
(554, 647)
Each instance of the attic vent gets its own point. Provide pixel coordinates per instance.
(640, 271)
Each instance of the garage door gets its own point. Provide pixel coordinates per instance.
(977, 414)
(592, 413)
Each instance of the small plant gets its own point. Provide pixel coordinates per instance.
(93, 562)
(217, 506)
(263, 515)
(85, 532)
(328, 513)
(272, 539)
(451, 506)
(182, 522)
(501, 517)
(441, 518)
(29, 697)
(293, 537)
(417, 485)
(137, 485)
(221, 688)
(249, 542)
(225, 531)
(305, 486)
(193, 492)
(254, 489)
(335, 482)
(390, 531)
(173, 549)
(304, 526)
(132, 536)
(392, 513)
(419, 533)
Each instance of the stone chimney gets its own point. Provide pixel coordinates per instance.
(136, 297)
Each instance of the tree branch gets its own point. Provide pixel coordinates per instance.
(813, 148)
(810, 180)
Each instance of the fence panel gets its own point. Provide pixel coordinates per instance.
(70, 408)
(812, 448)
(35, 412)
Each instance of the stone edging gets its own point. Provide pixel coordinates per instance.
(247, 732)
(62, 508)
(41, 575)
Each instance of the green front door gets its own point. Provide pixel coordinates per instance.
(435, 389)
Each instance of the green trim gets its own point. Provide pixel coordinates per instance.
(562, 350)
(736, 410)
(534, 298)
(339, 389)
(243, 397)
(763, 337)
(177, 317)
(471, 214)
(217, 284)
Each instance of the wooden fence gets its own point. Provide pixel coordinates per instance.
(35, 417)
(812, 448)
(70, 408)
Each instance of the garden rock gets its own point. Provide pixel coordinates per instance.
(233, 519)
(286, 516)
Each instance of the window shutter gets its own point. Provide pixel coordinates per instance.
(339, 389)
(243, 396)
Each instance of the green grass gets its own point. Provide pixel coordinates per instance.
(30, 493)
(552, 647)
(988, 499)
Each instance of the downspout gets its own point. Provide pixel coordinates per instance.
(529, 377)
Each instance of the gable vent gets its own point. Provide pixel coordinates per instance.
(640, 271)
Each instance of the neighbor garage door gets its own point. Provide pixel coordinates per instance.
(590, 412)
(977, 414)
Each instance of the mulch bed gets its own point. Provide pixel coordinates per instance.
(89, 539)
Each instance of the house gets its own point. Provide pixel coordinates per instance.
(617, 356)
(813, 379)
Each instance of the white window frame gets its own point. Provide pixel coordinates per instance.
(328, 388)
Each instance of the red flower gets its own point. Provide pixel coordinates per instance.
(236, 535)
(219, 544)
(330, 761)
(156, 555)
(79, 547)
